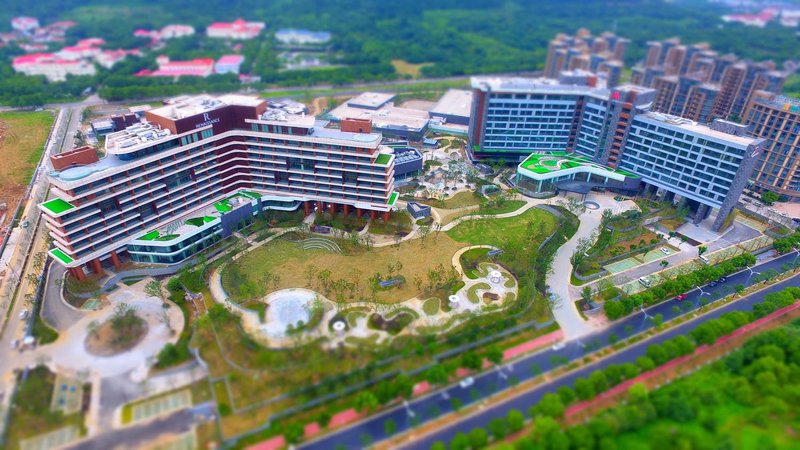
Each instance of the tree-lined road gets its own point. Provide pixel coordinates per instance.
(435, 404)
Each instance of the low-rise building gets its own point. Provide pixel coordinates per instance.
(238, 29)
(294, 36)
(229, 64)
(393, 121)
(53, 67)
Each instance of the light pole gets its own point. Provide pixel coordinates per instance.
(752, 272)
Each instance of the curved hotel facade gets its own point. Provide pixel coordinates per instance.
(196, 168)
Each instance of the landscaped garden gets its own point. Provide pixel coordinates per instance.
(621, 236)
(39, 414)
(370, 288)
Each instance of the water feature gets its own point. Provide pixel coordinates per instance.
(287, 307)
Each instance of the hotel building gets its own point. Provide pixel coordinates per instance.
(675, 157)
(777, 119)
(193, 170)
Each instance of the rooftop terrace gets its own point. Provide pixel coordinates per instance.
(554, 164)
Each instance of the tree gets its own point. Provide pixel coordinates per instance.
(437, 374)
(494, 355)
(478, 438)
(498, 428)
(471, 360)
(769, 197)
(586, 294)
(365, 401)
(154, 289)
(702, 249)
(516, 420)
(389, 427)
(549, 406)
(584, 389)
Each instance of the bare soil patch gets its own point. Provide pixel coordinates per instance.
(110, 339)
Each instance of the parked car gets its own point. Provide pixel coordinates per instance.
(644, 281)
(15, 344)
(467, 382)
(680, 297)
(712, 284)
(665, 250)
(558, 346)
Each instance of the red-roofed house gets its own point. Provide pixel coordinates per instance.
(238, 29)
(51, 66)
(229, 64)
(200, 67)
(176, 31)
(24, 24)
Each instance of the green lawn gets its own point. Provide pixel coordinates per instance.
(24, 135)
(525, 231)
(57, 206)
(460, 200)
(31, 414)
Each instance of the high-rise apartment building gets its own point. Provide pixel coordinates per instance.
(777, 119)
(602, 55)
(695, 82)
(707, 166)
(193, 170)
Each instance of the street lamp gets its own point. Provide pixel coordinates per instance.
(752, 272)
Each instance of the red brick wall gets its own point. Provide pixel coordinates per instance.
(356, 125)
(79, 157)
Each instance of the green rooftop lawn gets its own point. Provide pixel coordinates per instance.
(58, 206)
(392, 198)
(543, 163)
(63, 257)
(168, 237)
(199, 221)
(150, 236)
(383, 159)
(222, 206)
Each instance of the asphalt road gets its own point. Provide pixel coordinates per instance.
(433, 405)
(138, 435)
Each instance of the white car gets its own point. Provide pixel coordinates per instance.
(665, 250)
(467, 382)
(558, 346)
(24, 314)
(14, 344)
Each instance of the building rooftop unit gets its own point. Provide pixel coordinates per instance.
(530, 85)
(130, 138)
(694, 127)
(388, 117)
(454, 102)
(187, 106)
(371, 100)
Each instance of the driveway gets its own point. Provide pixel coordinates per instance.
(558, 279)
(55, 310)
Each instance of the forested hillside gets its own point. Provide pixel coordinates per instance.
(455, 37)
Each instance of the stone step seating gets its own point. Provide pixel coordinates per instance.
(322, 244)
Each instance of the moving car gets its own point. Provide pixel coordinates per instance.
(712, 284)
(467, 382)
(722, 279)
(680, 297)
(24, 314)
